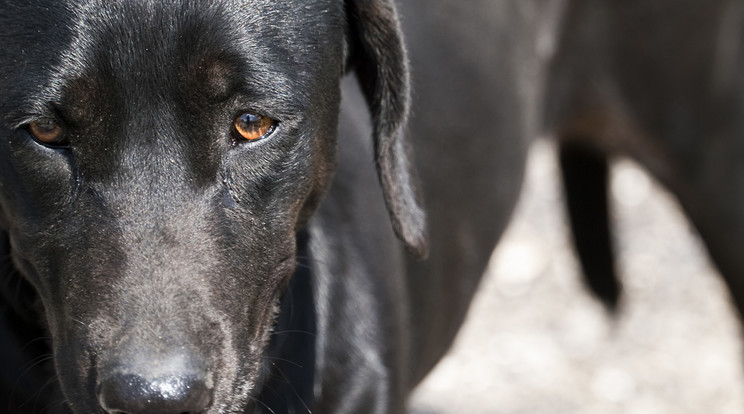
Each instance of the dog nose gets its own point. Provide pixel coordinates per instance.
(170, 394)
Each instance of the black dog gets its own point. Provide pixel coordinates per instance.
(660, 82)
(175, 240)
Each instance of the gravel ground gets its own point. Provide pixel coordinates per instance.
(536, 342)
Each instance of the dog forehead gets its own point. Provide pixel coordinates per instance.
(285, 35)
(284, 42)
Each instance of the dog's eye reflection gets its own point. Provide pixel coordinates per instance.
(251, 127)
(47, 132)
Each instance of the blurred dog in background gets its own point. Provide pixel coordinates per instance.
(660, 82)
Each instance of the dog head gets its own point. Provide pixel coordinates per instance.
(156, 163)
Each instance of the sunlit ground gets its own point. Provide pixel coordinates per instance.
(536, 342)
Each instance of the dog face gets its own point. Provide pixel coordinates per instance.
(157, 162)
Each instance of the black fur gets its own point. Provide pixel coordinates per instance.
(585, 181)
(382, 67)
(659, 82)
(153, 262)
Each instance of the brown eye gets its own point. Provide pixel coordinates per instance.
(47, 132)
(252, 127)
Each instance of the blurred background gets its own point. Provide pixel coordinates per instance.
(536, 342)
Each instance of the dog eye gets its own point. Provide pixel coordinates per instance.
(47, 132)
(251, 127)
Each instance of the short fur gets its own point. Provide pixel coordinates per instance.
(158, 265)
(660, 82)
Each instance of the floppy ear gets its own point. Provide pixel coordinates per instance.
(378, 57)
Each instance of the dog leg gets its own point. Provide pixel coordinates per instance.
(585, 173)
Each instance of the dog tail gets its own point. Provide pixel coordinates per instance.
(585, 174)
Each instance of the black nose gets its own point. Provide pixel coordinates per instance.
(171, 394)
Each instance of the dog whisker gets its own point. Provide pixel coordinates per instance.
(282, 360)
(54, 404)
(39, 391)
(29, 343)
(309, 411)
(262, 404)
(33, 363)
(304, 266)
(294, 331)
(80, 322)
(307, 261)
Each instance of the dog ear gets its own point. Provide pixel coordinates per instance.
(378, 57)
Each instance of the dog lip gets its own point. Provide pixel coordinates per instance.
(284, 266)
(285, 261)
